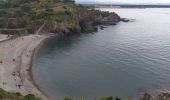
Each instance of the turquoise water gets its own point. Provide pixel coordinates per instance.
(120, 60)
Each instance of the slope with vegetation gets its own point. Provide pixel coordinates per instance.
(55, 16)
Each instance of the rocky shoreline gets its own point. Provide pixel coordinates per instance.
(86, 21)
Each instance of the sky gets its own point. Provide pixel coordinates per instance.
(127, 1)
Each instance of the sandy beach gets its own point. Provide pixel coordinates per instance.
(15, 64)
(4, 37)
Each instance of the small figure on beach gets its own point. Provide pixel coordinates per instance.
(13, 59)
(8, 36)
(13, 73)
(28, 69)
(4, 83)
(1, 62)
(19, 86)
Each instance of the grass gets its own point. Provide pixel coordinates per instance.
(15, 96)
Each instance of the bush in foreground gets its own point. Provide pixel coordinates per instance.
(101, 98)
(16, 96)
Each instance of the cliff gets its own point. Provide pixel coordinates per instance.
(85, 21)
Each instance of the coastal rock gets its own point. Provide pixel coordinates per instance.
(124, 20)
(146, 96)
(86, 21)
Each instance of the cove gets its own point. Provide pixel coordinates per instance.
(120, 60)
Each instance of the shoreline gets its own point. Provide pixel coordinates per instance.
(16, 75)
(33, 57)
(30, 86)
(4, 38)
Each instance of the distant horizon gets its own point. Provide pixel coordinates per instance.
(166, 2)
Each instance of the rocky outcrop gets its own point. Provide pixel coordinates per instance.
(124, 20)
(86, 21)
(89, 19)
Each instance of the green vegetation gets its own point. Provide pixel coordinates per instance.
(145, 96)
(27, 16)
(15, 96)
(101, 98)
(57, 16)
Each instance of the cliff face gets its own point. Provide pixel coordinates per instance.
(87, 21)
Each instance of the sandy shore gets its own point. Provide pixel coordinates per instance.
(15, 64)
(4, 37)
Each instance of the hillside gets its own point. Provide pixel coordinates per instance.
(54, 16)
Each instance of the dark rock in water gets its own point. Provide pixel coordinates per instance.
(146, 96)
(163, 96)
(158, 96)
(124, 20)
(102, 27)
(108, 23)
(86, 21)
